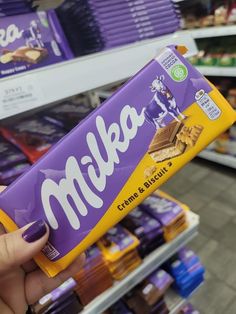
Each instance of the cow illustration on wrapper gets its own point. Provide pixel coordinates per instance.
(171, 139)
(162, 104)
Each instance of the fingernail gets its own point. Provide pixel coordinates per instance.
(35, 231)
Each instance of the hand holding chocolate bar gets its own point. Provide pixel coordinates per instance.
(107, 165)
(19, 276)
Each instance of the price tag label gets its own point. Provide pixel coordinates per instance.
(19, 94)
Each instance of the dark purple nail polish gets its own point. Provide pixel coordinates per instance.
(35, 231)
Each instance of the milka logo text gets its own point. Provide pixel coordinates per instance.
(9, 35)
(115, 139)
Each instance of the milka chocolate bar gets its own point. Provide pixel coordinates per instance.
(27, 39)
(165, 144)
(30, 55)
(93, 177)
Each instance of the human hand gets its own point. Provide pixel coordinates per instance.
(21, 281)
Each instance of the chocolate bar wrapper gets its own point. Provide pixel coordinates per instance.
(11, 5)
(8, 175)
(9, 154)
(163, 207)
(12, 12)
(33, 137)
(68, 114)
(132, 26)
(101, 165)
(37, 40)
(161, 280)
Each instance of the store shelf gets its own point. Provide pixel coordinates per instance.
(215, 31)
(217, 71)
(150, 263)
(222, 159)
(52, 83)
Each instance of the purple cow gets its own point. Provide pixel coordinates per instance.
(162, 104)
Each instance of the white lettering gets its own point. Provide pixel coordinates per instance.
(9, 35)
(114, 139)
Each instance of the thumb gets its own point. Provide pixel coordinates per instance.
(20, 246)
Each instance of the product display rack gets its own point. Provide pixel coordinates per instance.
(214, 31)
(149, 264)
(217, 71)
(222, 159)
(47, 85)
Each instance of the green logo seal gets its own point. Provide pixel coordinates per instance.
(179, 73)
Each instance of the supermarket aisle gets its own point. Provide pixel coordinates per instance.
(210, 190)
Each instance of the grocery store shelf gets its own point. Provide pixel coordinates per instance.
(56, 82)
(222, 159)
(150, 263)
(214, 31)
(217, 71)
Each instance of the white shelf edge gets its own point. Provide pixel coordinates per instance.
(217, 71)
(82, 74)
(213, 31)
(150, 263)
(222, 159)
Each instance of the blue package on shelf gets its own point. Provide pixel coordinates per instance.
(187, 271)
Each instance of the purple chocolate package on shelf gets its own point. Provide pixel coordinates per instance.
(160, 279)
(30, 41)
(68, 114)
(142, 224)
(8, 175)
(16, 5)
(34, 137)
(164, 210)
(9, 154)
(119, 237)
(132, 38)
(12, 12)
(145, 31)
(116, 157)
(134, 24)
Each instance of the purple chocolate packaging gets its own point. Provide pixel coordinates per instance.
(161, 279)
(92, 178)
(9, 154)
(119, 236)
(145, 225)
(68, 114)
(38, 32)
(164, 210)
(7, 176)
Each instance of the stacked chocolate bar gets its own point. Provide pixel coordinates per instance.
(12, 162)
(29, 41)
(152, 290)
(94, 25)
(15, 7)
(119, 248)
(188, 272)
(94, 278)
(168, 211)
(33, 136)
(146, 228)
(62, 296)
(69, 113)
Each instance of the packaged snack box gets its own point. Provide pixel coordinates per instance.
(116, 157)
(30, 41)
